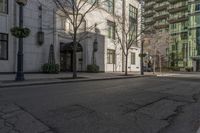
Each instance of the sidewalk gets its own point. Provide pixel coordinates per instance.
(8, 80)
(180, 74)
(14, 119)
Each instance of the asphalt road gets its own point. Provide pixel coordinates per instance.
(139, 105)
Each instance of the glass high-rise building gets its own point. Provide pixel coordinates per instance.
(181, 18)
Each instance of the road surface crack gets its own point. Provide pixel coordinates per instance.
(171, 119)
(142, 106)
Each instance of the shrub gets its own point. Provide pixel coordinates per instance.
(93, 68)
(51, 68)
(189, 69)
(175, 68)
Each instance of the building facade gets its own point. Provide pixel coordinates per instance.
(41, 16)
(180, 19)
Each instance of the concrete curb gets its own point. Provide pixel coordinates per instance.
(23, 84)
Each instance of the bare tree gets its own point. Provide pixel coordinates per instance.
(75, 12)
(156, 44)
(127, 37)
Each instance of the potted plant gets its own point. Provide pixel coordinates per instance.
(19, 32)
(22, 2)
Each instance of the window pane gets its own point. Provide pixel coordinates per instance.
(133, 58)
(3, 46)
(111, 30)
(132, 22)
(110, 6)
(3, 37)
(110, 56)
(3, 50)
(197, 8)
(3, 6)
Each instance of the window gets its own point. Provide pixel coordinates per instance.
(197, 19)
(197, 7)
(133, 11)
(3, 6)
(110, 56)
(184, 35)
(132, 58)
(110, 6)
(3, 46)
(133, 22)
(184, 25)
(111, 30)
(173, 26)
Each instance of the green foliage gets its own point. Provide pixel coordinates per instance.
(93, 68)
(143, 55)
(189, 69)
(51, 68)
(20, 32)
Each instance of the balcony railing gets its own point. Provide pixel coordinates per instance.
(158, 1)
(176, 1)
(149, 5)
(178, 19)
(161, 6)
(149, 13)
(178, 7)
(161, 16)
(161, 26)
(149, 22)
(178, 31)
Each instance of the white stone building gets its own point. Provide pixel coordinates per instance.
(55, 28)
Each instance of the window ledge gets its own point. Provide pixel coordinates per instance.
(3, 14)
(3, 59)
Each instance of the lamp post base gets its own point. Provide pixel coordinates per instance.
(142, 73)
(20, 77)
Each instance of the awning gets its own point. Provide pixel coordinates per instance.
(69, 47)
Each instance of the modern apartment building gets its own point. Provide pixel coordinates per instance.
(181, 19)
(39, 15)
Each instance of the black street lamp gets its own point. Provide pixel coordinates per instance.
(95, 48)
(95, 45)
(20, 72)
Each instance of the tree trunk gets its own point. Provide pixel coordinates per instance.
(154, 64)
(154, 61)
(160, 63)
(126, 65)
(74, 57)
(123, 31)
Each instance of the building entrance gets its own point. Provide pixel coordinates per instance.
(66, 56)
